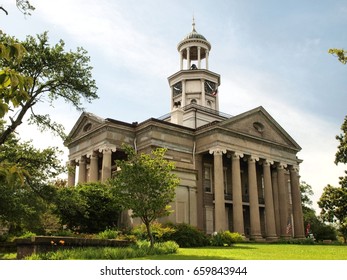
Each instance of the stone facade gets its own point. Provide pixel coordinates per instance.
(237, 173)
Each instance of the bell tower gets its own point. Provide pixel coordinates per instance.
(194, 85)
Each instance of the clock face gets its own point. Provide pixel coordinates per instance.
(177, 88)
(210, 87)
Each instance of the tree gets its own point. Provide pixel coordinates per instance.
(54, 74)
(88, 208)
(333, 203)
(25, 175)
(341, 154)
(306, 192)
(146, 185)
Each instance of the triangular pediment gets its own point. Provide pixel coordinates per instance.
(86, 123)
(258, 123)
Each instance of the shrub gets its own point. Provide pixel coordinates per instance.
(226, 238)
(88, 208)
(305, 241)
(27, 234)
(141, 249)
(187, 236)
(108, 234)
(159, 231)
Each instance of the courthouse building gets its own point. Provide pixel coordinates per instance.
(237, 173)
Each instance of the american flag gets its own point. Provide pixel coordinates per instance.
(289, 226)
(214, 93)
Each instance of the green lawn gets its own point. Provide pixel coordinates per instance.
(251, 252)
(259, 252)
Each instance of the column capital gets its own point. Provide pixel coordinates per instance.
(107, 148)
(82, 159)
(217, 151)
(294, 168)
(91, 154)
(237, 155)
(267, 162)
(251, 158)
(281, 165)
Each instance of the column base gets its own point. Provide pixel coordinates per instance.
(272, 238)
(257, 238)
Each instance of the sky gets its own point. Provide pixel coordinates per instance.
(269, 53)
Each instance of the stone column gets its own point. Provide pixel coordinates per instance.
(207, 54)
(276, 203)
(181, 60)
(82, 170)
(106, 164)
(269, 203)
(188, 58)
(253, 200)
(299, 231)
(219, 202)
(199, 57)
(94, 167)
(238, 224)
(71, 173)
(200, 191)
(283, 200)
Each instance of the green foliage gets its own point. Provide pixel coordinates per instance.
(306, 192)
(138, 250)
(160, 232)
(341, 154)
(226, 238)
(50, 72)
(108, 234)
(341, 54)
(13, 85)
(306, 241)
(146, 185)
(88, 208)
(325, 232)
(26, 193)
(187, 236)
(27, 234)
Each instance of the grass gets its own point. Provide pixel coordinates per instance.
(259, 252)
(246, 251)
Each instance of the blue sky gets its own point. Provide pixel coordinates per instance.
(268, 53)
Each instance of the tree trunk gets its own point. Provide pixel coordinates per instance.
(149, 233)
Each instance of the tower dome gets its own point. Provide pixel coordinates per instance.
(194, 46)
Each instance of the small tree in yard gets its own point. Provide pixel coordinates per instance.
(145, 184)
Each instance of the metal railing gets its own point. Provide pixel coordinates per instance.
(200, 108)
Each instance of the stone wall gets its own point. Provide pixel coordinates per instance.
(43, 244)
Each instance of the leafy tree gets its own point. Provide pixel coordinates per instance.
(88, 208)
(25, 174)
(341, 154)
(146, 185)
(54, 74)
(306, 193)
(333, 203)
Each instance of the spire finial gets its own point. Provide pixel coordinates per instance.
(193, 24)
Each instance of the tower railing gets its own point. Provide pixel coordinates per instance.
(200, 108)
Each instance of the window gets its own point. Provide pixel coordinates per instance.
(208, 178)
